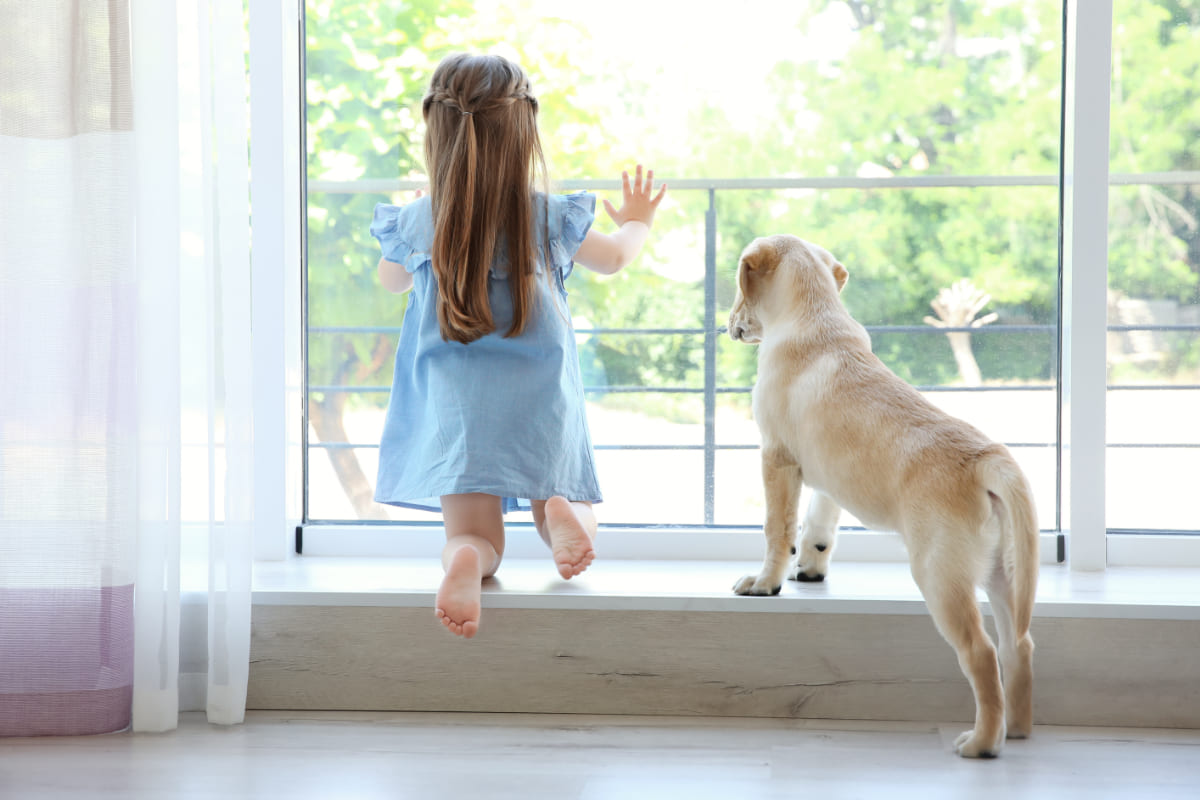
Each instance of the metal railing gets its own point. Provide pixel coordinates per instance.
(711, 331)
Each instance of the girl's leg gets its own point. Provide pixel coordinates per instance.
(569, 527)
(474, 547)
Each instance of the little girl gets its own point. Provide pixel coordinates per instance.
(487, 401)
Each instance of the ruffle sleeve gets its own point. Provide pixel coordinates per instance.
(402, 235)
(571, 216)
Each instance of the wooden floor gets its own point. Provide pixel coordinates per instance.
(367, 755)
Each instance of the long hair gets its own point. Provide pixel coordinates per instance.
(482, 152)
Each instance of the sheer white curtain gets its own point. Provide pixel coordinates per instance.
(125, 379)
(195, 476)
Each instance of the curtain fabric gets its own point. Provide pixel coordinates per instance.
(125, 438)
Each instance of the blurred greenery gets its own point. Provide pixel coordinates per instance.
(961, 87)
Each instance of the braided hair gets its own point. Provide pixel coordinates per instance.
(482, 151)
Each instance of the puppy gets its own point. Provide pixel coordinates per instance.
(832, 415)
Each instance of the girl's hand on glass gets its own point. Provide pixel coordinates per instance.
(638, 202)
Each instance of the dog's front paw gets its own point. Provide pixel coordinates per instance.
(756, 585)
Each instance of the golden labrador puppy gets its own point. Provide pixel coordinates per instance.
(832, 415)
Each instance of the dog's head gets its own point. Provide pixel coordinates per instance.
(781, 275)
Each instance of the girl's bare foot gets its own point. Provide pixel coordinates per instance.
(570, 538)
(458, 598)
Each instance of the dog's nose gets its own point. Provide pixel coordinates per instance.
(735, 332)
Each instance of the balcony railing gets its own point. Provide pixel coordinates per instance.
(711, 331)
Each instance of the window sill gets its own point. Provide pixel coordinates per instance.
(669, 637)
(1168, 593)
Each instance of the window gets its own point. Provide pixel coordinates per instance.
(944, 195)
(1154, 269)
(921, 145)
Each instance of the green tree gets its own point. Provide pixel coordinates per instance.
(957, 88)
(933, 89)
(1154, 245)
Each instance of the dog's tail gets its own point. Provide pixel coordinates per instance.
(1012, 499)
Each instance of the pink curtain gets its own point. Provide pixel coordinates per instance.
(68, 432)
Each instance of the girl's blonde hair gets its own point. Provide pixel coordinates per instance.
(482, 152)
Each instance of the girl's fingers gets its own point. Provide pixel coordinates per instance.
(640, 188)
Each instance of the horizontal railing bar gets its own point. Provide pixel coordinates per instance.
(591, 331)
(333, 389)
(635, 331)
(961, 329)
(1179, 178)
(395, 329)
(1154, 445)
(345, 389)
(672, 447)
(358, 446)
(349, 389)
(1166, 387)
(1022, 445)
(1161, 387)
(389, 185)
(1153, 532)
(355, 329)
(1032, 387)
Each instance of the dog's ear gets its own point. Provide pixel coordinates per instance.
(840, 275)
(758, 260)
(756, 263)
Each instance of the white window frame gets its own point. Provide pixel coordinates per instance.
(278, 231)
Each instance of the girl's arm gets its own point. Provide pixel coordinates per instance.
(394, 277)
(609, 253)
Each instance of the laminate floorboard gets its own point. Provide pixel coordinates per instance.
(368, 755)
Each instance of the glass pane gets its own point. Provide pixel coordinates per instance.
(842, 93)
(651, 487)
(1154, 269)
(739, 489)
(1021, 417)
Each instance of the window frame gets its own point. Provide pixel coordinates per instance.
(277, 113)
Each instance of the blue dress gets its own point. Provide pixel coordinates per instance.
(503, 416)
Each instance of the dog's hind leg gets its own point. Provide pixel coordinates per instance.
(819, 534)
(1016, 655)
(781, 483)
(950, 596)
